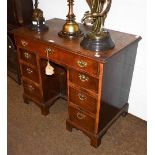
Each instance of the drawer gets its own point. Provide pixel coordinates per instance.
(27, 56)
(83, 80)
(78, 62)
(25, 43)
(86, 65)
(32, 90)
(30, 73)
(81, 119)
(82, 99)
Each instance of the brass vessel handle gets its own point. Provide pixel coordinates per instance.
(24, 43)
(29, 70)
(82, 63)
(80, 115)
(27, 55)
(49, 50)
(82, 97)
(30, 88)
(83, 78)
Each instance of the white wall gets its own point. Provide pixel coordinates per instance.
(126, 16)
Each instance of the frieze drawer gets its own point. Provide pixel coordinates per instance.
(69, 59)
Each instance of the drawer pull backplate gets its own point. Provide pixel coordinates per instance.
(30, 88)
(29, 70)
(27, 55)
(82, 97)
(83, 77)
(82, 63)
(24, 43)
(80, 115)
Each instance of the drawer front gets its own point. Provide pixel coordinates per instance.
(87, 65)
(81, 119)
(27, 56)
(27, 43)
(30, 73)
(82, 99)
(32, 90)
(75, 61)
(83, 80)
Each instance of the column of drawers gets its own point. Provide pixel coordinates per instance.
(39, 87)
(84, 95)
(30, 75)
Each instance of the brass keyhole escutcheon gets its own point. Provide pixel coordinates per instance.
(49, 51)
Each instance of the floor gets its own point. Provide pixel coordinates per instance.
(30, 133)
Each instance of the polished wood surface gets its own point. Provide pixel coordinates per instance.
(96, 85)
(121, 40)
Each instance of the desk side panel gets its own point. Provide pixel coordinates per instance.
(116, 83)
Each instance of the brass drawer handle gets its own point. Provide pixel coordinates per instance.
(30, 88)
(82, 63)
(83, 78)
(27, 55)
(49, 51)
(29, 70)
(82, 97)
(24, 43)
(80, 115)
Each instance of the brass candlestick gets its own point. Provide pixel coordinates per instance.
(70, 29)
(38, 21)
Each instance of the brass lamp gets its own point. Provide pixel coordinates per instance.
(70, 29)
(98, 39)
(38, 21)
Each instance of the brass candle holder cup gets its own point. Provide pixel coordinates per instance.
(98, 39)
(70, 29)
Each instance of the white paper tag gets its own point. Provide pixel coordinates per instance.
(49, 70)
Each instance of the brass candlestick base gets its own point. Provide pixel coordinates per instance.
(101, 43)
(70, 29)
(38, 21)
(98, 39)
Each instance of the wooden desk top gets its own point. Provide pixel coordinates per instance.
(55, 25)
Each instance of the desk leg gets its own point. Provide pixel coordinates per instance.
(26, 100)
(69, 127)
(95, 142)
(45, 110)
